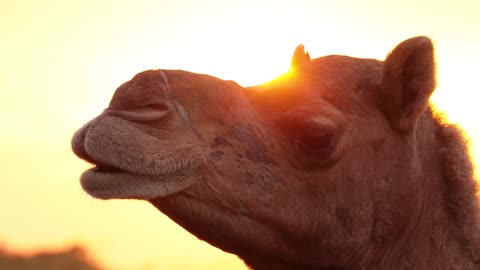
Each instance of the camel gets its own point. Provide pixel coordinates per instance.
(340, 163)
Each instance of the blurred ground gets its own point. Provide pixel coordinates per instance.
(74, 258)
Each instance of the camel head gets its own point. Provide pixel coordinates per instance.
(313, 169)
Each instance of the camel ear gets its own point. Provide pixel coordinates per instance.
(408, 81)
(300, 58)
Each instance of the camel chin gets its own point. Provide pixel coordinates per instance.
(124, 185)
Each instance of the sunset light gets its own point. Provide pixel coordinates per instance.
(61, 62)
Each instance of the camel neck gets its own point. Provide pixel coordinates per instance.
(446, 228)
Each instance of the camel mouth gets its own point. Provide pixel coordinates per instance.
(104, 168)
(105, 181)
(130, 163)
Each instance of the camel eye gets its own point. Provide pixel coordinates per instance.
(314, 138)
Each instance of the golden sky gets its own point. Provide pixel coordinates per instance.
(60, 62)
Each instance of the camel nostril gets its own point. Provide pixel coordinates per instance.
(146, 113)
(158, 106)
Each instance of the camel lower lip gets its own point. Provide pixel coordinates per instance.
(119, 184)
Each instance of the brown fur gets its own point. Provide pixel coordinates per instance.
(339, 164)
